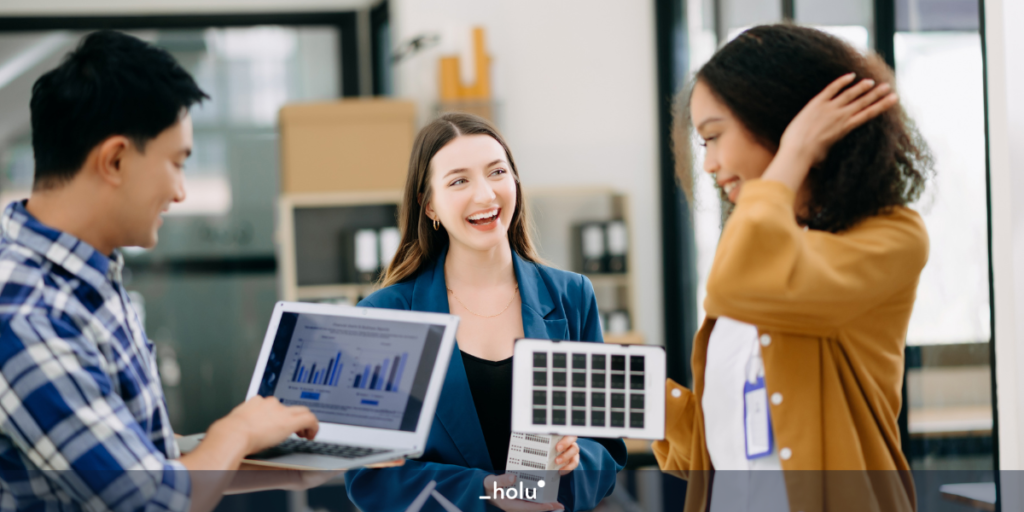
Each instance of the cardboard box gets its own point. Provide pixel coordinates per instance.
(346, 145)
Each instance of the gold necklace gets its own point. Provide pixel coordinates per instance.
(478, 314)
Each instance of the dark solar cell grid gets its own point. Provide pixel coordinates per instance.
(620, 373)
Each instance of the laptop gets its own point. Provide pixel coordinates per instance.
(371, 376)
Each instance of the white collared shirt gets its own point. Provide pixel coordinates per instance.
(734, 355)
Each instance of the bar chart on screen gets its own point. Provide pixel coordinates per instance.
(322, 363)
(326, 375)
(358, 372)
(316, 362)
(383, 376)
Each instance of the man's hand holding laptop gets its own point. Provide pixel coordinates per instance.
(257, 424)
(264, 422)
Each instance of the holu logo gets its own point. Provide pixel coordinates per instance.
(511, 493)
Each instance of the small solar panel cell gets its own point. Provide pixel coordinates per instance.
(540, 417)
(618, 419)
(619, 363)
(579, 399)
(636, 401)
(636, 363)
(540, 359)
(558, 360)
(558, 417)
(579, 361)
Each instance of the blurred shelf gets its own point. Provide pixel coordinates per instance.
(308, 248)
(334, 291)
(560, 214)
(315, 244)
(327, 199)
(626, 338)
(560, 192)
(621, 279)
(972, 420)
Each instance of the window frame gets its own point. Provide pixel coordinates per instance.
(344, 21)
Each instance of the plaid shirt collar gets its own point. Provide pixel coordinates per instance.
(65, 250)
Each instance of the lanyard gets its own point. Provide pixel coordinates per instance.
(757, 422)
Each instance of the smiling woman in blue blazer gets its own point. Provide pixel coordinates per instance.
(466, 250)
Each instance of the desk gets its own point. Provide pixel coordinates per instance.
(981, 496)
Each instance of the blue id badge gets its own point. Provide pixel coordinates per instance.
(757, 422)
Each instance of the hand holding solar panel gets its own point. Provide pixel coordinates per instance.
(588, 389)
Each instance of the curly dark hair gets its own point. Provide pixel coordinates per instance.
(767, 75)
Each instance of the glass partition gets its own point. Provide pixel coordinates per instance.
(210, 285)
(939, 75)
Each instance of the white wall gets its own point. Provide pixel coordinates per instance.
(1006, 150)
(575, 83)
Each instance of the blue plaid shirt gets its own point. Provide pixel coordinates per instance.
(83, 420)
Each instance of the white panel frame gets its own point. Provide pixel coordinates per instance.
(522, 388)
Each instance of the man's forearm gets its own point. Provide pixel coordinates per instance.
(212, 466)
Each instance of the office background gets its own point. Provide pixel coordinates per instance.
(582, 90)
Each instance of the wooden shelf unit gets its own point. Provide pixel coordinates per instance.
(555, 211)
(290, 289)
(335, 154)
(552, 235)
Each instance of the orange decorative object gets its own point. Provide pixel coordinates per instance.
(452, 88)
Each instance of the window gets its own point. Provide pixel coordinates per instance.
(939, 75)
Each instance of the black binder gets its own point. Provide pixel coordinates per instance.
(617, 245)
(589, 242)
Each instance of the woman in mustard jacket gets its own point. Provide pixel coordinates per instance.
(799, 363)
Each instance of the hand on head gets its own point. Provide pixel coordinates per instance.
(827, 118)
(834, 113)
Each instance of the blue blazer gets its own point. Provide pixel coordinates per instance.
(556, 305)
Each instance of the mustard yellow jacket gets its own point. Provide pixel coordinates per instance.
(832, 311)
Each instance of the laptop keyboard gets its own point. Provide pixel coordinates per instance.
(293, 445)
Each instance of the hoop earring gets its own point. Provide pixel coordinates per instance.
(436, 224)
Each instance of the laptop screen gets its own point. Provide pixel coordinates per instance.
(353, 371)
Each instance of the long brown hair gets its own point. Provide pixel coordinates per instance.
(421, 243)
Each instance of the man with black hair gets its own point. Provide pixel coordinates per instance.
(83, 419)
